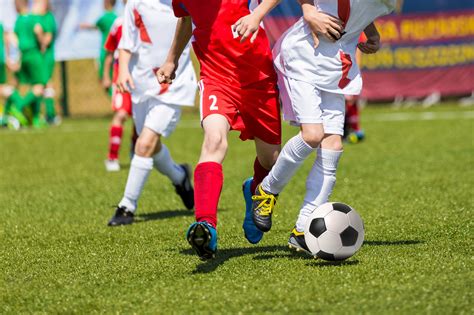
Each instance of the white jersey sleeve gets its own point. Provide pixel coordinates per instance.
(130, 33)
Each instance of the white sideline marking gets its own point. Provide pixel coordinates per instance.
(195, 124)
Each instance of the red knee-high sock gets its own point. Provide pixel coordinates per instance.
(115, 141)
(352, 115)
(259, 173)
(208, 181)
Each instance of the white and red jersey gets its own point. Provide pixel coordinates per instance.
(147, 32)
(222, 57)
(331, 67)
(112, 43)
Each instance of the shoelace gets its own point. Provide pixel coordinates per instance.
(267, 203)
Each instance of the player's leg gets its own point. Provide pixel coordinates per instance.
(208, 181)
(36, 94)
(34, 70)
(303, 100)
(267, 155)
(121, 105)
(352, 131)
(152, 122)
(322, 177)
(133, 141)
(292, 156)
(166, 118)
(140, 169)
(13, 101)
(115, 140)
(260, 112)
(49, 94)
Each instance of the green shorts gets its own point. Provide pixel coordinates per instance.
(33, 68)
(3, 73)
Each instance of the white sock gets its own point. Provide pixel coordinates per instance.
(319, 184)
(140, 169)
(295, 151)
(166, 166)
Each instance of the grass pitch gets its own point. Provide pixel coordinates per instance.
(411, 180)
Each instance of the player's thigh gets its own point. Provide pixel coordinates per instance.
(162, 118)
(217, 99)
(301, 101)
(333, 112)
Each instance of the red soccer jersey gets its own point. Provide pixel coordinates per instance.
(112, 43)
(223, 58)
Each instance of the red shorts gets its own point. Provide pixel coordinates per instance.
(122, 101)
(253, 110)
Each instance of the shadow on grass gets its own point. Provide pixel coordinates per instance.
(124, 166)
(275, 252)
(323, 263)
(226, 254)
(161, 215)
(393, 243)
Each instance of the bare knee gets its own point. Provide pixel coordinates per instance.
(38, 90)
(215, 144)
(332, 142)
(313, 134)
(148, 143)
(119, 118)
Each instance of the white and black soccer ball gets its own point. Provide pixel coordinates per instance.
(334, 231)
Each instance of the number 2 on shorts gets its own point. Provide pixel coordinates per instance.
(213, 99)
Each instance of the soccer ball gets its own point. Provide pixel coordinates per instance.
(334, 231)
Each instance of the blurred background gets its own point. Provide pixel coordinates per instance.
(427, 53)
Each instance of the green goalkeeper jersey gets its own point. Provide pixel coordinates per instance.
(24, 30)
(48, 24)
(33, 67)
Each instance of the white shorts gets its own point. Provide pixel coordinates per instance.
(159, 117)
(303, 103)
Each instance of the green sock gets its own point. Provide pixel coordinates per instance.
(50, 109)
(14, 99)
(28, 100)
(8, 105)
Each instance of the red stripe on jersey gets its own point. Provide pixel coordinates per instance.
(164, 87)
(141, 26)
(346, 66)
(344, 10)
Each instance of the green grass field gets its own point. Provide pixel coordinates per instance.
(411, 180)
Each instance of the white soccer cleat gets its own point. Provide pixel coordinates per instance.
(112, 165)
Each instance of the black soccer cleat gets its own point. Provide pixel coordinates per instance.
(185, 189)
(297, 242)
(262, 206)
(203, 239)
(121, 217)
